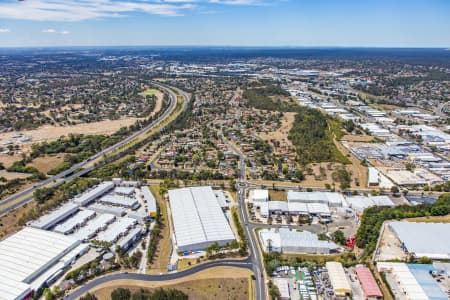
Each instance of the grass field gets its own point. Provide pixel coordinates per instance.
(162, 254)
(151, 92)
(275, 195)
(438, 219)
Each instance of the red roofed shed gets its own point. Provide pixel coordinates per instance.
(369, 285)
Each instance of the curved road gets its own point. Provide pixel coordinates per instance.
(74, 168)
(244, 264)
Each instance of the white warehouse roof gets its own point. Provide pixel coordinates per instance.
(116, 229)
(259, 195)
(198, 219)
(420, 238)
(28, 254)
(94, 226)
(77, 220)
(330, 198)
(51, 219)
(96, 192)
(149, 199)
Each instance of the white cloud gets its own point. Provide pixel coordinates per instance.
(65, 32)
(77, 10)
(49, 30)
(4, 30)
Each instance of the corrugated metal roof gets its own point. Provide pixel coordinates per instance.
(197, 217)
(28, 253)
(368, 283)
(338, 278)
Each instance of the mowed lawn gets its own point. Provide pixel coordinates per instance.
(151, 92)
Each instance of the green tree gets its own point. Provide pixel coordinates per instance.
(338, 237)
(89, 296)
(121, 294)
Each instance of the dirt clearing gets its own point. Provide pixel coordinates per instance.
(45, 164)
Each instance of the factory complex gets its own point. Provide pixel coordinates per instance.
(112, 214)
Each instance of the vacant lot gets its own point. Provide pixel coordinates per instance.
(47, 133)
(281, 135)
(7, 160)
(46, 163)
(12, 175)
(223, 282)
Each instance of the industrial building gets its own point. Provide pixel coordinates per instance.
(116, 230)
(51, 219)
(130, 238)
(118, 200)
(286, 241)
(198, 219)
(283, 288)
(293, 208)
(150, 201)
(419, 239)
(93, 227)
(360, 203)
(415, 282)
(338, 279)
(259, 195)
(31, 258)
(370, 288)
(329, 198)
(78, 220)
(94, 193)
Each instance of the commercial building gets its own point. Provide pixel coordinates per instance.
(94, 193)
(286, 241)
(370, 288)
(338, 279)
(51, 219)
(31, 258)
(150, 201)
(198, 219)
(420, 239)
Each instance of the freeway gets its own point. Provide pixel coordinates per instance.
(244, 264)
(63, 175)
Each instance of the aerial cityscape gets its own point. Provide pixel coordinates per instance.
(255, 161)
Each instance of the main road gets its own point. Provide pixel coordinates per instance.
(74, 168)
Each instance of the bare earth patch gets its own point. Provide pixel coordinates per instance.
(48, 133)
(44, 164)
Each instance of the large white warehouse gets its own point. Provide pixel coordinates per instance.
(198, 219)
(31, 257)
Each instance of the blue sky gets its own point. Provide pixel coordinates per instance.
(365, 23)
